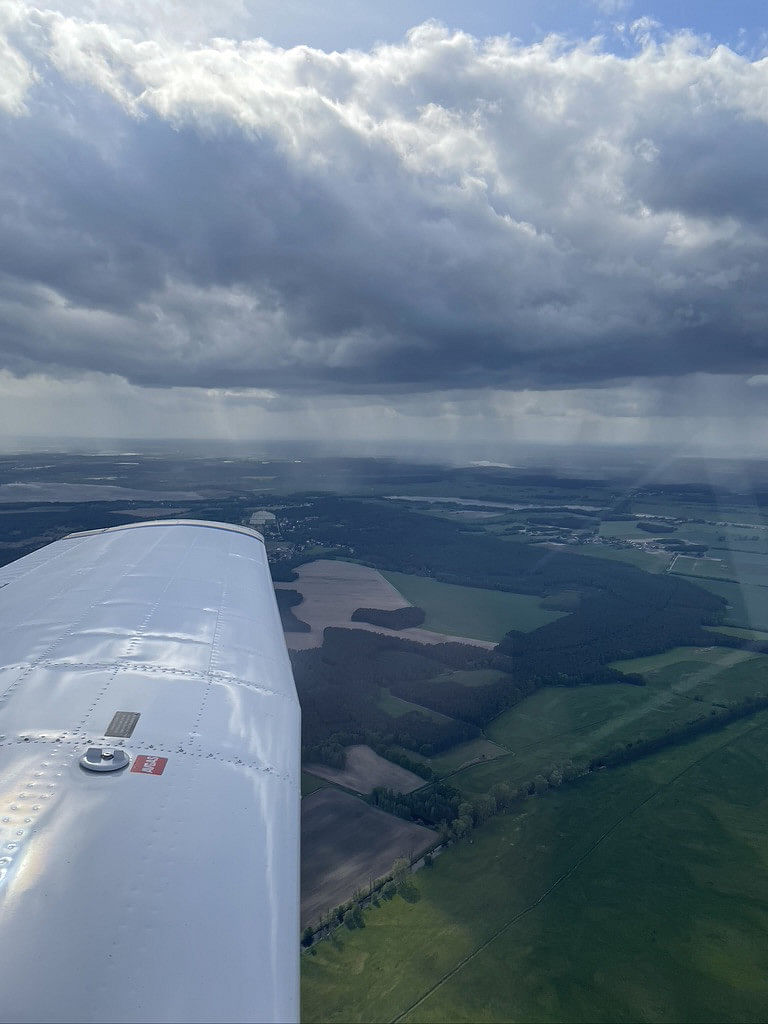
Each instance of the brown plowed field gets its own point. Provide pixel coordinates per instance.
(366, 769)
(332, 590)
(345, 843)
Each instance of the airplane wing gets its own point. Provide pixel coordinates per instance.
(149, 781)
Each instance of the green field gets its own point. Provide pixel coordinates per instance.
(556, 724)
(650, 667)
(747, 603)
(627, 530)
(636, 894)
(309, 783)
(759, 635)
(738, 538)
(650, 561)
(396, 706)
(717, 674)
(739, 566)
(473, 750)
(448, 762)
(471, 611)
(475, 677)
(710, 568)
(734, 538)
(720, 539)
(678, 507)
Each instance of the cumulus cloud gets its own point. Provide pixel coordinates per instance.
(443, 213)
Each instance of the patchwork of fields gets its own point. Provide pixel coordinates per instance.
(747, 603)
(345, 844)
(606, 899)
(635, 894)
(556, 725)
(333, 590)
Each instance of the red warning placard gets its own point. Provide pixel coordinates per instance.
(146, 765)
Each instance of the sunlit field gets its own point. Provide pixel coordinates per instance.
(634, 894)
(471, 611)
(559, 724)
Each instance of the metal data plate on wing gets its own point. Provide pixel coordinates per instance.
(123, 723)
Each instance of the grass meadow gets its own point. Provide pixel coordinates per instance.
(471, 611)
(747, 603)
(650, 561)
(759, 635)
(557, 724)
(639, 893)
(396, 706)
(310, 783)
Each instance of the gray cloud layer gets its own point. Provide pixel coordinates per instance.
(443, 213)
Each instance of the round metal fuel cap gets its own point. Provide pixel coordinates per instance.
(104, 759)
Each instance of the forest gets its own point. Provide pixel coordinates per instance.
(393, 618)
(287, 600)
(622, 612)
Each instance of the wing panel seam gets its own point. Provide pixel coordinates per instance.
(71, 629)
(69, 739)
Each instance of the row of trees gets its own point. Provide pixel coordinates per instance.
(468, 815)
(431, 805)
(718, 717)
(350, 914)
(441, 804)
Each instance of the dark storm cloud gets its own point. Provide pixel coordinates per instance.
(439, 214)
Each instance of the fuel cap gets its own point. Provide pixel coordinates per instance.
(104, 759)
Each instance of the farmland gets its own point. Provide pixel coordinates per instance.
(649, 910)
(556, 725)
(332, 590)
(396, 706)
(750, 567)
(642, 887)
(649, 561)
(463, 753)
(364, 770)
(345, 843)
(471, 611)
(743, 634)
(311, 783)
(747, 603)
(407, 690)
(634, 894)
(709, 568)
(626, 530)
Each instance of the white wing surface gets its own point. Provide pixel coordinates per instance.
(166, 890)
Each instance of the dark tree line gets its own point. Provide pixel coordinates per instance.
(397, 618)
(439, 803)
(717, 718)
(287, 600)
(655, 527)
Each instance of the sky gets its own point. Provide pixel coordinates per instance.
(521, 222)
